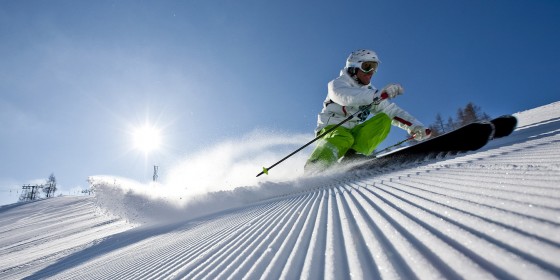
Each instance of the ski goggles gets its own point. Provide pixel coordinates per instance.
(368, 66)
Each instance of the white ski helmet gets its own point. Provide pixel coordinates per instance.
(356, 58)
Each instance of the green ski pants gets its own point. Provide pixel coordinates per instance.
(363, 138)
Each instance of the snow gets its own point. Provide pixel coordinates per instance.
(493, 213)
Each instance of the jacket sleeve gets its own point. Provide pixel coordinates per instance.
(344, 93)
(400, 118)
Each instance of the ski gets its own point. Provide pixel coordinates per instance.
(504, 125)
(470, 137)
(467, 138)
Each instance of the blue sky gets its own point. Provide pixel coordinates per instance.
(77, 76)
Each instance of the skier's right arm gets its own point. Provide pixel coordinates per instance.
(402, 119)
(346, 93)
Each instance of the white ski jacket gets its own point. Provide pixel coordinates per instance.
(346, 97)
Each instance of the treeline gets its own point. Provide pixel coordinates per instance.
(469, 114)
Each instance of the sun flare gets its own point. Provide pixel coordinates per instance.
(146, 138)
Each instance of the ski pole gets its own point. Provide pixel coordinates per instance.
(376, 101)
(395, 145)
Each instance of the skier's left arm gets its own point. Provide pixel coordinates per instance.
(402, 119)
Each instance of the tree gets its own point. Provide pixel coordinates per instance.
(50, 187)
(450, 125)
(469, 114)
(438, 127)
(439, 123)
(461, 117)
(486, 117)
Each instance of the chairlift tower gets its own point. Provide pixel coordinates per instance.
(155, 177)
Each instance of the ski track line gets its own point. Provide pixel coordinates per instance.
(180, 255)
(378, 257)
(492, 258)
(29, 220)
(292, 244)
(142, 254)
(33, 237)
(506, 203)
(260, 244)
(254, 241)
(520, 222)
(209, 241)
(175, 254)
(507, 183)
(351, 242)
(45, 224)
(317, 242)
(230, 254)
(227, 255)
(432, 189)
(303, 245)
(273, 265)
(419, 248)
(503, 182)
(256, 262)
(522, 244)
(222, 249)
(31, 249)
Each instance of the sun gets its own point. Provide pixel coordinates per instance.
(146, 138)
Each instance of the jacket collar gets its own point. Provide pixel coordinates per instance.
(354, 82)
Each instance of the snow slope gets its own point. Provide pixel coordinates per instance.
(493, 213)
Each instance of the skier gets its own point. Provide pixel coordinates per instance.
(348, 94)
